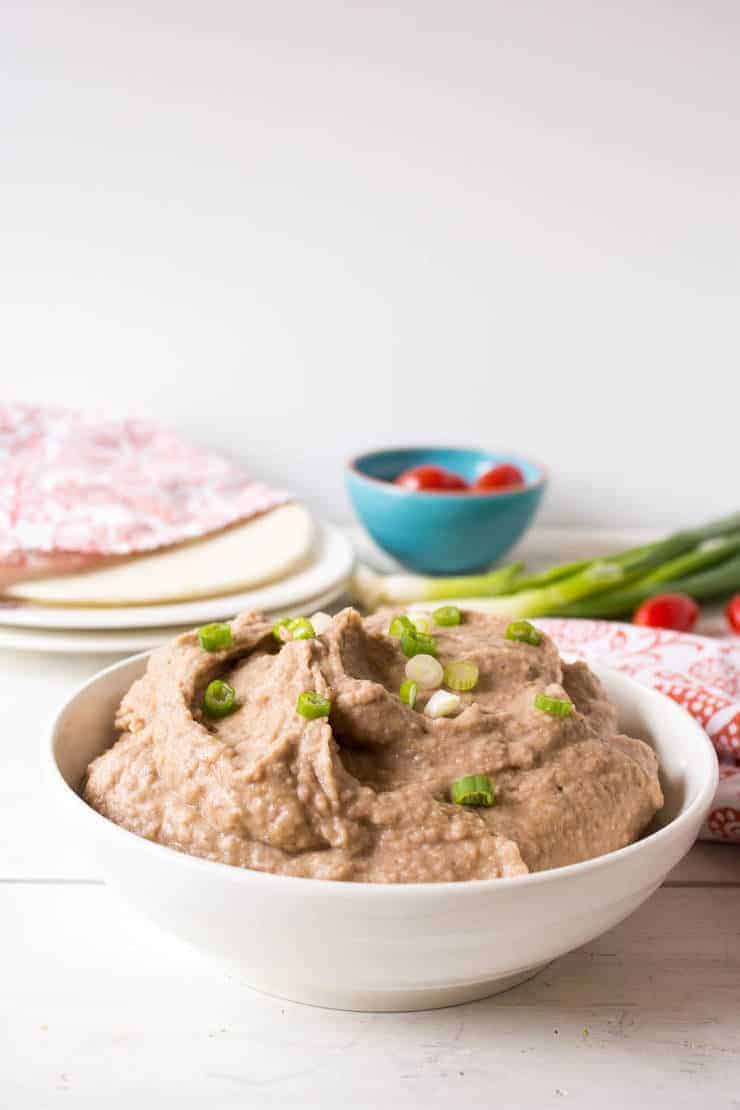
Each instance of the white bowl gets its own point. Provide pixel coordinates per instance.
(362, 946)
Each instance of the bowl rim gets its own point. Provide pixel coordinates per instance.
(335, 888)
(465, 495)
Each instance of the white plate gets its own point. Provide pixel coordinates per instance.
(125, 640)
(329, 567)
(265, 549)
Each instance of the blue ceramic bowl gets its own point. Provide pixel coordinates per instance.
(436, 532)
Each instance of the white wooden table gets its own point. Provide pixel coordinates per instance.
(98, 1008)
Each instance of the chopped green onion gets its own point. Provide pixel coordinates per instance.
(417, 643)
(277, 626)
(556, 707)
(218, 700)
(461, 674)
(312, 705)
(447, 616)
(442, 704)
(321, 622)
(425, 670)
(525, 632)
(399, 625)
(473, 790)
(408, 692)
(422, 622)
(301, 629)
(215, 637)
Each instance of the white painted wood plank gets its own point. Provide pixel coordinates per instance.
(708, 863)
(32, 841)
(100, 1008)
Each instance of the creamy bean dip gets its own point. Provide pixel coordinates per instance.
(364, 793)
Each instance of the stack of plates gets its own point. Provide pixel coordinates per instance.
(282, 564)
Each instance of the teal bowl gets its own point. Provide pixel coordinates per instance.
(441, 532)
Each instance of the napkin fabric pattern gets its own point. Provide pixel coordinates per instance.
(84, 483)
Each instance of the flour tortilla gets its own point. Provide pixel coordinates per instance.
(263, 549)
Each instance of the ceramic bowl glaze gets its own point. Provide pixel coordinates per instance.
(440, 532)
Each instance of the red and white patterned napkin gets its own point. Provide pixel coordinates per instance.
(83, 483)
(701, 674)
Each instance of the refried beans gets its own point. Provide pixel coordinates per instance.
(363, 794)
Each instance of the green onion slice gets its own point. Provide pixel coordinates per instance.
(408, 693)
(301, 629)
(473, 790)
(425, 671)
(421, 621)
(312, 705)
(215, 637)
(525, 632)
(277, 626)
(399, 625)
(218, 700)
(321, 622)
(556, 707)
(461, 675)
(447, 616)
(417, 643)
(443, 703)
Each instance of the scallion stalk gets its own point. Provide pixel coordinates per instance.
(704, 585)
(372, 589)
(605, 587)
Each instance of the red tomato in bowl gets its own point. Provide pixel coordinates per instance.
(429, 477)
(732, 612)
(503, 476)
(677, 611)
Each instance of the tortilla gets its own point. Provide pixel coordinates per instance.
(263, 549)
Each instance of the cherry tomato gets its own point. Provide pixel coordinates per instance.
(503, 476)
(430, 477)
(732, 612)
(677, 611)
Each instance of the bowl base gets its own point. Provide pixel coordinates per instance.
(402, 1001)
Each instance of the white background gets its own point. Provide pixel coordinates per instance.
(302, 229)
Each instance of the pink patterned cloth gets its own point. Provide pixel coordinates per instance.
(76, 482)
(701, 674)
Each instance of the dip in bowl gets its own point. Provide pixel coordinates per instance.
(323, 850)
(443, 532)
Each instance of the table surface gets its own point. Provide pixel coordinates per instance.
(99, 1007)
